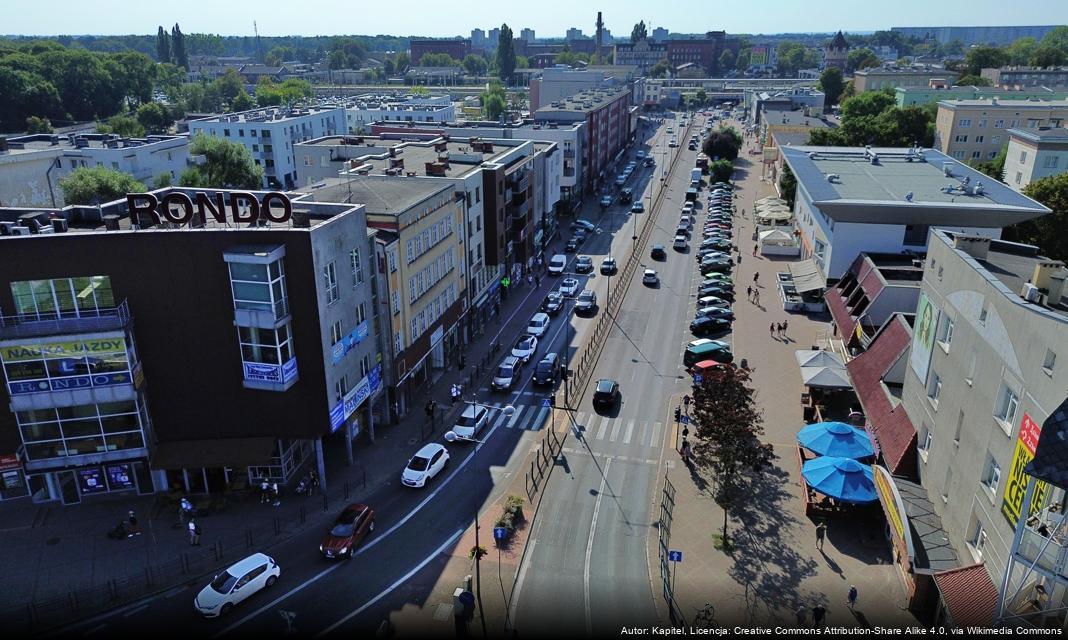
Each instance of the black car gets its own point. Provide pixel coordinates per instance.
(715, 312)
(658, 252)
(554, 302)
(606, 394)
(626, 195)
(720, 291)
(547, 371)
(706, 325)
(571, 246)
(584, 264)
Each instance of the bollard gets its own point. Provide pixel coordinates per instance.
(304, 514)
(365, 478)
(346, 492)
(248, 538)
(218, 550)
(326, 504)
(277, 526)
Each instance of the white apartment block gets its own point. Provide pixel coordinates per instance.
(364, 111)
(1033, 154)
(32, 165)
(269, 134)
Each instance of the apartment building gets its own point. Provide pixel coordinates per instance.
(907, 96)
(1016, 77)
(1035, 153)
(366, 110)
(704, 52)
(32, 165)
(456, 48)
(886, 200)
(893, 76)
(269, 315)
(559, 83)
(643, 54)
(269, 134)
(995, 35)
(976, 130)
(985, 371)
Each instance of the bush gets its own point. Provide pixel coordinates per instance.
(513, 513)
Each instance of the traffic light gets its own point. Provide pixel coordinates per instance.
(678, 414)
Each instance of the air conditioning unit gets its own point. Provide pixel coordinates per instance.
(1030, 292)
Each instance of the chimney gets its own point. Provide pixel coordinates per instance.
(974, 246)
(1043, 270)
(1056, 287)
(300, 219)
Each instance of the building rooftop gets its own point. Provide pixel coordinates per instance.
(51, 141)
(449, 158)
(905, 186)
(381, 194)
(586, 100)
(270, 114)
(892, 69)
(1029, 103)
(1044, 135)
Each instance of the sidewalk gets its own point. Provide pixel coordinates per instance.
(52, 550)
(774, 566)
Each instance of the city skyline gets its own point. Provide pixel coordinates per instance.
(112, 17)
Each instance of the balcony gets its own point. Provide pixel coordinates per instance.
(520, 182)
(519, 208)
(86, 321)
(1049, 553)
(569, 172)
(569, 153)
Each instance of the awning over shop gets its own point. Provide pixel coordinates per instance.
(229, 452)
(806, 276)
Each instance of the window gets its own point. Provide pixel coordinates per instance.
(960, 426)
(1051, 162)
(964, 122)
(396, 302)
(998, 124)
(1019, 176)
(995, 140)
(335, 332)
(1023, 157)
(1033, 123)
(945, 485)
(62, 297)
(979, 139)
(357, 270)
(976, 155)
(266, 346)
(934, 389)
(960, 138)
(360, 314)
(969, 376)
(330, 284)
(992, 155)
(1005, 407)
(978, 541)
(392, 257)
(959, 154)
(945, 333)
(341, 387)
(991, 475)
(1048, 362)
(981, 124)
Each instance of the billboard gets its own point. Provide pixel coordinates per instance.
(758, 56)
(1016, 483)
(64, 365)
(923, 336)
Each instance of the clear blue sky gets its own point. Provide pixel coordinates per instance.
(547, 17)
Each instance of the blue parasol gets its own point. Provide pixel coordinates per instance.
(836, 439)
(840, 478)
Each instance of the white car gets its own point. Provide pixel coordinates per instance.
(679, 243)
(424, 465)
(650, 278)
(471, 421)
(538, 325)
(525, 347)
(557, 264)
(674, 142)
(569, 287)
(237, 583)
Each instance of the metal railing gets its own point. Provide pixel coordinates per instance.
(42, 324)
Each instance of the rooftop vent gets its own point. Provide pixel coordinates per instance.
(908, 197)
(833, 177)
(947, 169)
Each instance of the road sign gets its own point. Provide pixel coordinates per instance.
(500, 533)
(505, 282)
(698, 378)
(685, 419)
(545, 402)
(675, 556)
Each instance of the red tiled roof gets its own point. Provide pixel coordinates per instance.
(845, 322)
(969, 595)
(872, 283)
(891, 425)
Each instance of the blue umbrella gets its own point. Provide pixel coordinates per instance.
(840, 478)
(836, 439)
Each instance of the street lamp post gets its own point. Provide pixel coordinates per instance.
(450, 436)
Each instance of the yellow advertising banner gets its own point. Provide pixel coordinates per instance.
(63, 349)
(1016, 483)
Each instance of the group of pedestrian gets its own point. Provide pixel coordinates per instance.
(456, 392)
(752, 294)
(186, 511)
(778, 329)
(269, 492)
(194, 533)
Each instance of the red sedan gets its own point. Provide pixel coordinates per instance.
(351, 526)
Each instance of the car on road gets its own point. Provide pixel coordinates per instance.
(680, 243)
(525, 347)
(649, 278)
(606, 394)
(583, 264)
(639, 154)
(714, 312)
(583, 224)
(587, 302)
(674, 142)
(649, 162)
(692, 146)
(547, 371)
(606, 201)
(683, 230)
(608, 266)
(571, 246)
(626, 195)
(687, 208)
(471, 421)
(557, 264)
(637, 207)
(580, 236)
(507, 373)
(707, 325)
(234, 585)
(424, 465)
(350, 527)
(621, 180)
(538, 325)
(657, 252)
(670, 130)
(554, 302)
(568, 287)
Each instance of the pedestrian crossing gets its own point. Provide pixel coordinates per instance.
(644, 433)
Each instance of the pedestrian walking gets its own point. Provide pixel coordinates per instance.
(428, 409)
(784, 328)
(274, 495)
(314, 482)
(756, 296)
(452, 394)
(851, 599)
(185, 510)
(772, 330)
(802, 614)
(132, 526)
(194, 534)
(756, 247)
(530, 279)
(739, 259)
(749, 293)
(821, 533)
(756, 278)
(537, 280)
(265, 490)
(819, 613)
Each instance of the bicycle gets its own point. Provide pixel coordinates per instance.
(705, 616)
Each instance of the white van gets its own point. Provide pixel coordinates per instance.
(557, 264)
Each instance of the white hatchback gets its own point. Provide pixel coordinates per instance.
(538, 325)
(237, 583)
(424, 465)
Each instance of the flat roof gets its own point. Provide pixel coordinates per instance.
(381, 194)
(1051, 136)
(269, 114)
(904, 186)
(1029, 103)
(586, 100)
(462, 157)
(73, 142)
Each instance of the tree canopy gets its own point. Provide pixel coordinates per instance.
(97, 185)
(831, 84)
(723, 143)
(228, 165)
(494, 101)
(506, 58)
(639, 32)
(1046, 232)
(861, 59)
(874, 118)
(289, 91)
(793, 56)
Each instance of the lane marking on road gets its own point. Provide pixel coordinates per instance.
(654, 441)
(95, 629)
(616, 424)
(629, 433)
(135, 611)
(603, 428)
(589, 546)
(406, 577)
(520, 579)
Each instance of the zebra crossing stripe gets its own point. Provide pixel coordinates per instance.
(603, 428)
(539, 419)
(655, 441)
(629, 433)
(515, 417)
(616, 424)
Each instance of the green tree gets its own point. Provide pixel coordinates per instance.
(227, 165)
(494, 101)
(639, 32)
(727, 427)
(1056, 38)
(122, 125)
(169, 77)
(788, 182)
(229, 85)
(401, 62)
(972, 81)
(163, 45)
(983, 57)
(660, 70)
(242, 101)
(181, 58)
(722, 144)
(1047, 56)
(700, 97)
(952, 48)
(742, 64)
(727, 60)
(827, 137)
(1046, 232)
(720, 170)
(162, 180)
(474, 65)
(387, 67)
(38, 125)
(96, 185)
(521, 62)
(861, 59)
(1021, 50)
(134, 75)
(154, 117)
(994, 168)
(506, 59)
(831, 84)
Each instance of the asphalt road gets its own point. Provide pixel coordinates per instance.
(586, 570)
(402, 559)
